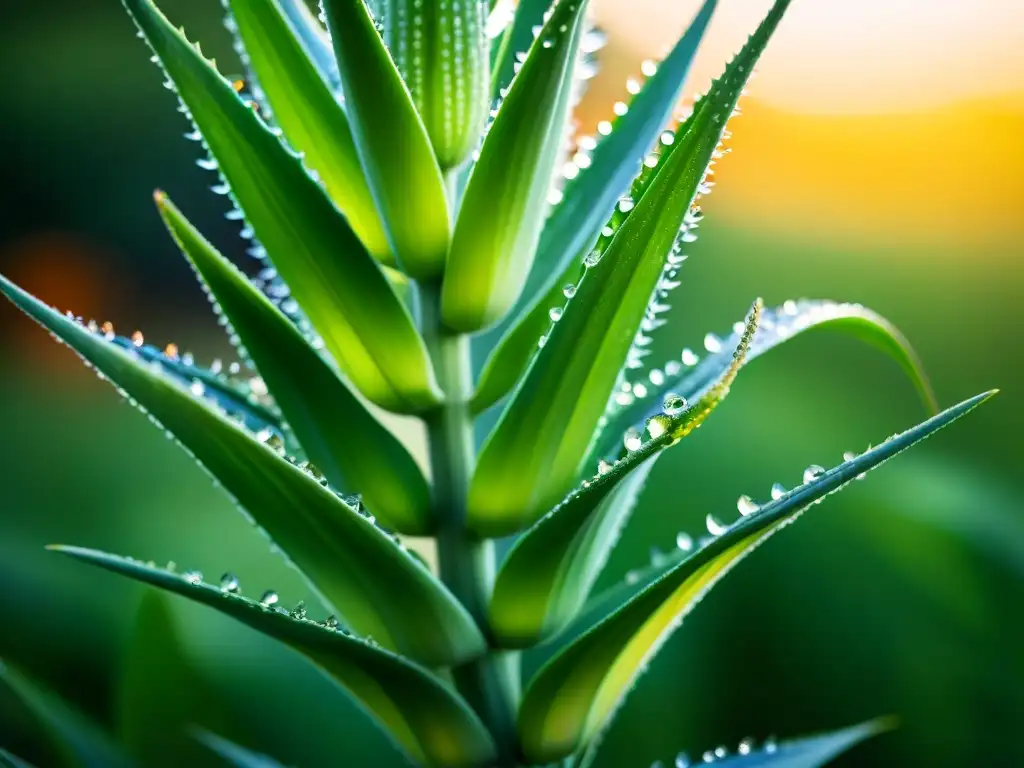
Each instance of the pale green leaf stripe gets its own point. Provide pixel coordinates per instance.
(331, 275)
(393, 145)
(314, 39)
(532, 457)
(344, 441)
(807, 752)
(517, 38)
(309, 114)
(416, 708)
(7, 760)
(576, 694)
(778, 325)
(546, 576)
(233, 753)
(341, 553)
(503, 208)
(588, 199)
(78, 741)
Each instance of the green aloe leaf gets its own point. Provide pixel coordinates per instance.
(688, 376)
(240, 757)
(308, 113)
(7, 760)
(442, 51)
(532, 457)
(426, 719)
(378, 587)
(503, 208)
(808, 752)
(380, 469)
(77, 740)
(314, 39)
(517, 37)
(551, 568)
(394, 148)
(575, 695)
(588, 199)
(330, 274)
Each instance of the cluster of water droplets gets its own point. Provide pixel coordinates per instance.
(745, 747)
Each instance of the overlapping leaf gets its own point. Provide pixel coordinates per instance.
(314, 39)
(78, 741)
(305, 108)
(531, 458)
(330, 273)
(338, 550)
(548, 573)
(344, 441)
(574, 696)
(393, 145)
(503, 207)
(516, 38)
(425, 718)
(232, 753)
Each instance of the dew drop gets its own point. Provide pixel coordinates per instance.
(639, 390)
(193, 577)
(778, 491)
(269, 598)
(137, 339)
(657, 377)
(626, 204)
(657, 426)
(299, 611)
(555, 313)
(745, 747)
(684, 541)
(850, 455)
(708, 756)
(689, 357)
(673, 404)
(770, 745)
(331, 622)
(712, 343)
(746, 505)
(721, 752)
(603, 467)
(682, 760)
(715, 526)
(813, 472)
(541, 342)
(197, 388)
(592, 258)
(632, 440)
(171, 350)
(229, 584)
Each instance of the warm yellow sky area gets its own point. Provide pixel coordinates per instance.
(912, 110)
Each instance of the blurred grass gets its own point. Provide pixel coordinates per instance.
(901, 596)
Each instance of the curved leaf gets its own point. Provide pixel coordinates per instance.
(442, 51)
(503, 208)
(326, 417)
(575, 695)
(588, 199)
(79, 742)
(393, 145)
(339, 286)
(532, 457)
(7, 760)
(808, 752)
(314, 39)
(430, 722)
(356, 567)
(308, 112)
(688, 378)
(517, 38)
(546, 576)
(234, 754)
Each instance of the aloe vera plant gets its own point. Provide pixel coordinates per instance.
(400, 167)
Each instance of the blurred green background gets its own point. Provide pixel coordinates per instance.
(905, 595)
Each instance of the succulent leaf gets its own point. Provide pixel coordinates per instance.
(533, 455)
(689, 376)
(546, 576)
(576, 694)
(308, 113)
(78, 741)
(441, 49)
(339, 551)
(340, 287)
(516, 38)
(381, 471)
(503, 207)
(314, 39)
(428, 721)
(394, 147)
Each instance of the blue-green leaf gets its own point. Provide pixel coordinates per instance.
(7, 760)
(371, 581)
(234, 754)
(517, 38)
(393, 145)
(532, 457)
(78, 741)
(426, 719)
(551, 568)
(380, 469)
(689, 376)
(314, 39)
(576, 694)
(308, 112)
(503, 208)
(339, 286)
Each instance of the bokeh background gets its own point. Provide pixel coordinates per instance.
(879, 159)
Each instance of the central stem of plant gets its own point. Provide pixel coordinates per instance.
(466, 563)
